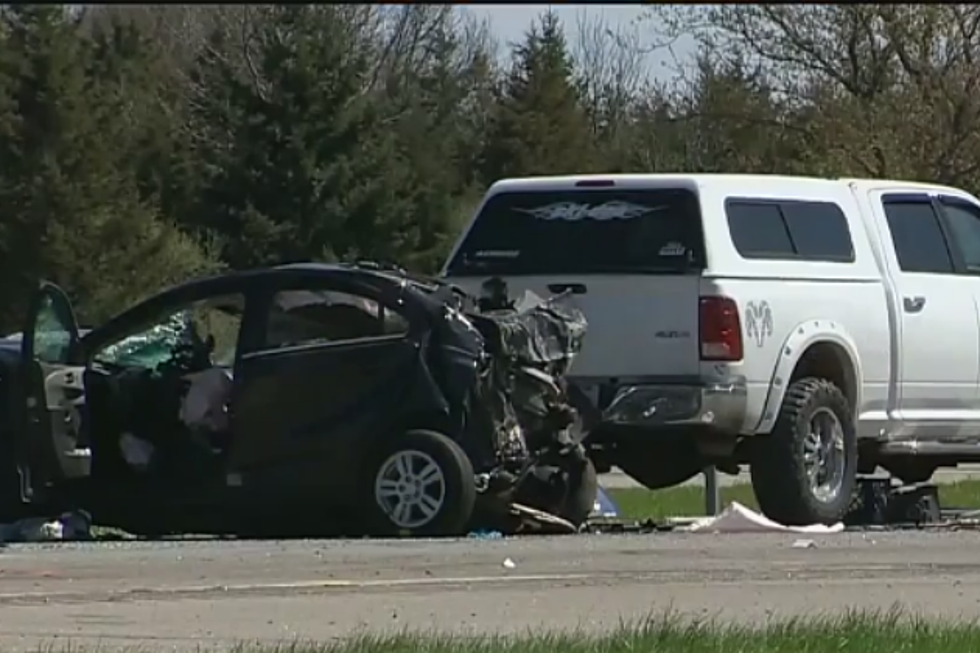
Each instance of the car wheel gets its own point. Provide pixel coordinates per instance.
(421, 484)
(805, 471)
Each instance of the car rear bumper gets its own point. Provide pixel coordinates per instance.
(717, 405)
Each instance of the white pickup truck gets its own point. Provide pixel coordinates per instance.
(812, 329)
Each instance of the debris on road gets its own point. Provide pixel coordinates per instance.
(605, 507)
(509, 564)
(485, 535)
(68, 526)
(736, 518)
(804, 544)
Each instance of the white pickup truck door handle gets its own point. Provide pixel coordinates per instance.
(913, 304)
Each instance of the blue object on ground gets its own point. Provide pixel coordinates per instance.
(604, 505)
(485, 535)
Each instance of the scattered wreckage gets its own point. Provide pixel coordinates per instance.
(306, 399)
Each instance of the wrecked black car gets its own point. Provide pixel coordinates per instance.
(307, 399)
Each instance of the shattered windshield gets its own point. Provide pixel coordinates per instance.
(217, 318)
(580, 231)
(148, 348)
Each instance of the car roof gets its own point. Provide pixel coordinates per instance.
(230, 279)
(312, 268)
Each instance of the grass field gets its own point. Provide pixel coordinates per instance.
(858, 633)
(640, 503)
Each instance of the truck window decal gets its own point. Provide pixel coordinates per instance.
(614, 210)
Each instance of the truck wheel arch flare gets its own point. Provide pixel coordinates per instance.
(800, 339)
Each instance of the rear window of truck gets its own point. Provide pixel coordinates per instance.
(584, 231)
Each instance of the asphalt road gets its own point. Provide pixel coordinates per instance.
(212, 594)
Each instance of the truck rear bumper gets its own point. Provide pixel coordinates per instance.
(716, 405)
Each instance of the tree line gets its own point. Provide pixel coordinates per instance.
(142, 145)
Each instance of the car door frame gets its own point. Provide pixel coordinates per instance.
(123, 324)
(941, 201)
(384, 293)
(917, 423)
(143, 313)
(39, 462)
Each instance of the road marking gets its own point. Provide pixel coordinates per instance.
(135, 592)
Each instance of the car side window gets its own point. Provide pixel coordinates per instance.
(963, 220)
(187, 325)
(917, 235)
(51, 329)
(758, 230)
(789, 230)
(303, 317)
(819, 230)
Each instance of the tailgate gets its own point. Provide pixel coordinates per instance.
(640, 325)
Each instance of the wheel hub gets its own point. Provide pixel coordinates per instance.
(823, 455)
(410, 488)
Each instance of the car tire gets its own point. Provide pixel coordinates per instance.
(805, 471)
(420, 484)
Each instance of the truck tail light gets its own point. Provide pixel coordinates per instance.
(720, 330)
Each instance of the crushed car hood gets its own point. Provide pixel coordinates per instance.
(480, 350)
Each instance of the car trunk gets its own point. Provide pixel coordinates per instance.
(631, 257)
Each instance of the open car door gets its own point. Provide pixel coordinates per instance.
(51, 395)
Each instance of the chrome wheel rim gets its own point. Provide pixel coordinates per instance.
(823, 455)
(410, 488)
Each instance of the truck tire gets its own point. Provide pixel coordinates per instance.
(805, 471)
(419, 484)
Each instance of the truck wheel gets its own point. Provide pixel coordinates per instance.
(420, 484)
(804, 472)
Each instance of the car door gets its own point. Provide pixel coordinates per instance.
(938, 351)
(961, 217)
(50, 397)
(331, 367)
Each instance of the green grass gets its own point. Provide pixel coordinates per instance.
(889, 632)
(640, 503)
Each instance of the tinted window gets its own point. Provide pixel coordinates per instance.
(919, 242)
(584, 231)
(789, 230)
(758, 230)
(819, 230)
(964, 224)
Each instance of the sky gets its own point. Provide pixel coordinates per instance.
(509, 22)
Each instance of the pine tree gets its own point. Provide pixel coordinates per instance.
(539, 126)
(71, 208)
(303, 164)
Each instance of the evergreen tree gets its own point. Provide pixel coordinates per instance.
(431, 99)
(304, 165)
(539, 126)
(71, 208)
